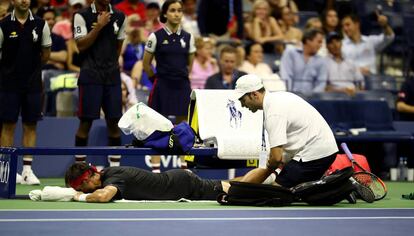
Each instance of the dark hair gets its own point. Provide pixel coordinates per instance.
(353, 17)
(249, 46)
(43, 10)
(228, 49)
(74, 171)
(153, 5)
(165, 7)
(310, 34)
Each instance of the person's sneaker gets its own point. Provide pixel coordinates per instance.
(29, 178)
(19, 179)
(364, 193)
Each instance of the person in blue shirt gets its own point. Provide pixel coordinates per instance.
(304, 71)
(173, 50)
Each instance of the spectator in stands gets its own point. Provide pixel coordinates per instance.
(204, 64)
(58, 54)
(254, 65)
(129, 7)
(222, 18)
(173, 49)
(301, 68)
(227, 76)
(99, 80)
(64, 29)
(37, 4)
(132, 53)
(405, 102)
(152, 23)
(277, 7)
(4, 11)
(263, 28)
(362, 49)
(189, 23)
(292, 34)
(330, 21)
(23, 52)
(343, 75)
(316, 23)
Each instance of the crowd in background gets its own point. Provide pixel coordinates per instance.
(323, 52)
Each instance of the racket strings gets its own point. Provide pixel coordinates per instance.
(372, 182)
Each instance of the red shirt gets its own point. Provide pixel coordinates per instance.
(129, 9)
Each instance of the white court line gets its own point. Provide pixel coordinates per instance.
(217, 209)
(207, 219)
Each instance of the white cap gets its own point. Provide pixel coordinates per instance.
(74, 2)
(246, 84)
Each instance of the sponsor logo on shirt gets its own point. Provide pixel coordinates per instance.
(165, 41)
(35, 35)
(182, 42)
(13, 35)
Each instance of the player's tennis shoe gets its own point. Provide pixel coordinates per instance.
(29, 178)
(364, 192)
(19, 179)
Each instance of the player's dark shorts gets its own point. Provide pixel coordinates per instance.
(170, 97)
(297, 172)
(191, 186)
(93, 97)
(29, 105)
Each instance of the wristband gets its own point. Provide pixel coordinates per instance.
(82, 197)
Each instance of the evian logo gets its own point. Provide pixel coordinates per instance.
(235, 115)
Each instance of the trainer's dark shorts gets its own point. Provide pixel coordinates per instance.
(297, 172)
(93, 97)
(29, 105)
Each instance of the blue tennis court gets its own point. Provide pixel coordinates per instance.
(206, 222)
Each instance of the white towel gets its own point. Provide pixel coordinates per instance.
(235, 131)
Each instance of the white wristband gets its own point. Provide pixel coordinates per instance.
(82, 197)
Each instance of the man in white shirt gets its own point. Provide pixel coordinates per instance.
(362, 49)
(300, 139)
(343, 75)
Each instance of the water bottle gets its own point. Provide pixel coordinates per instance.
(402, 169)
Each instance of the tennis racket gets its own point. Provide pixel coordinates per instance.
(366, 178)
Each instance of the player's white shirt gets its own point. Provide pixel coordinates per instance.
(293, 123)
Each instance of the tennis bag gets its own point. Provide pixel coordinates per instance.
(249, 194)
(327, 191)
(179, 140)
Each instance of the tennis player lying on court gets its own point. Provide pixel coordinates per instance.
(131, 183)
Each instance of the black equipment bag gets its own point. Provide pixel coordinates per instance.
(327, 191)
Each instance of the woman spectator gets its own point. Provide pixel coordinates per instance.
(254, 65)
(330, 21)
(173, 49)
(204, 64)
(262, 27)
(293, 35)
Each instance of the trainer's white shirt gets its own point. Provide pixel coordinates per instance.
(293, 123)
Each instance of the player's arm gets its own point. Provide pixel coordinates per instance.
(259, 175)
(100, 195)
(83, 38)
